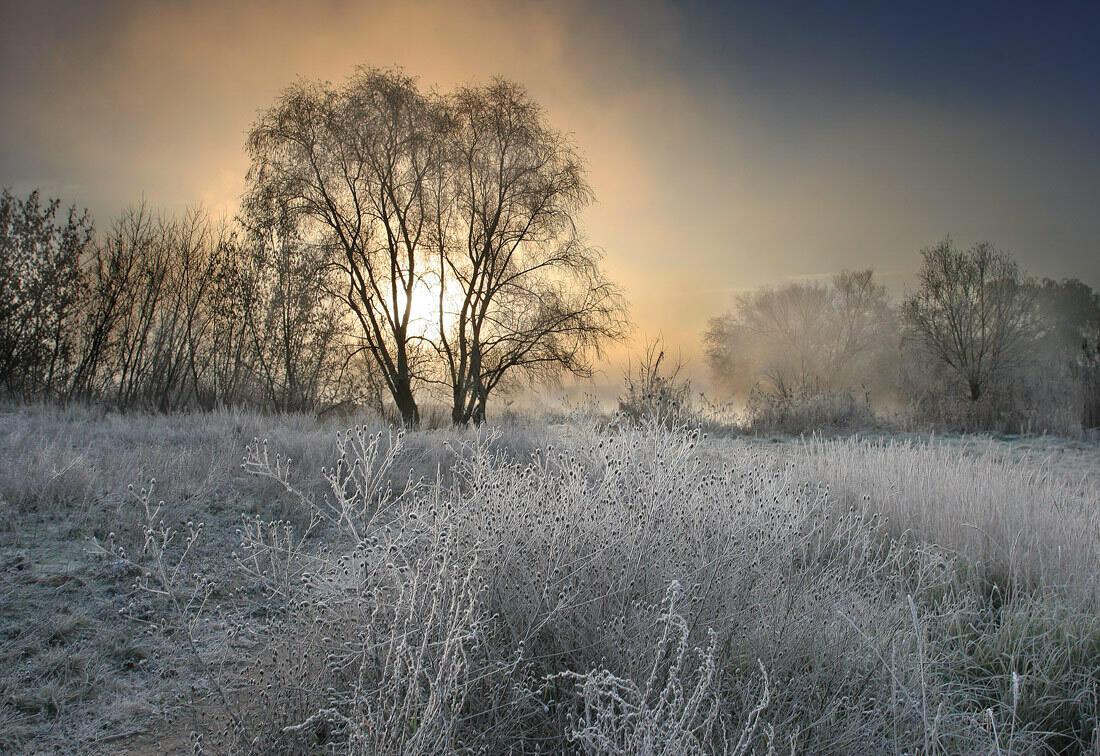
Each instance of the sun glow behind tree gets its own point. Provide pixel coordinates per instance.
(462, 209)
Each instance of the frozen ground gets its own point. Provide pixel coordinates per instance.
(976, 630)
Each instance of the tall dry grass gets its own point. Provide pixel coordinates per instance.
(1021, 520)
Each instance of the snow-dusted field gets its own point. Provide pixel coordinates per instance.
(540, 589)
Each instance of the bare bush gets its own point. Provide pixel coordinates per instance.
(654, 390)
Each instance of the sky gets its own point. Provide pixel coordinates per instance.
(730, 145)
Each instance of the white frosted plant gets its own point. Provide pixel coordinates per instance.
(358, 481)
(675, 711)
(626, 590)
(580, 542)
(162, 567)
(416, 669)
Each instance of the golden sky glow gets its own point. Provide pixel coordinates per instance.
(708, 178)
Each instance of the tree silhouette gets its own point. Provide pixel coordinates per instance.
(354, 166)
(972, 310)
(470, 199)
(531, 298)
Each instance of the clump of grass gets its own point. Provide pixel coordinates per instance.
(1020, 524)
(1031, 663)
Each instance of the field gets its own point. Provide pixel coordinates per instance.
(176, 584)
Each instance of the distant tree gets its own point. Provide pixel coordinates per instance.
(293, 327)
(354, 167)
(162, 354)
(229, 370)
(109, 278)
(1068, 313)
(40, 293)
(1069, 340)
(973, 312)
(156, 328)
(801, 338)
(520, 293)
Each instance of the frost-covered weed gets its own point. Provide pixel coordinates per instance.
(619, 592)
(671, 714)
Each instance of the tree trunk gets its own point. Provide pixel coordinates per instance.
(406, 404)
(479, 405)
(975, 390)
(458, 416)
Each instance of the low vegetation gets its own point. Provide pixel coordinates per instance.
(611, 587)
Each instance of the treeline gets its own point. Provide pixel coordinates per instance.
(391, 243)
(165, 314)
(977, 345)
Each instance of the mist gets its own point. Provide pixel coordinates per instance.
(667, 377)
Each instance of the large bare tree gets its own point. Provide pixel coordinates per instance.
(520, 293)
(355, 166)
(972, 310)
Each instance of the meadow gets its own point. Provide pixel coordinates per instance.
(244, 583)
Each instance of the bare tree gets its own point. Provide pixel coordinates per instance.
(293, 326)
(40, 293)
(353, 166)
(228, 361)
(160, 361)
(109, 275)
(802, 338)
(153, 328)
(520, 294)
(166, 313)
(973, 311)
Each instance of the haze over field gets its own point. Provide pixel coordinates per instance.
(727, 147)
(352, 417)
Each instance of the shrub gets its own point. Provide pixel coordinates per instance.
(654, 392)
(808, 413)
